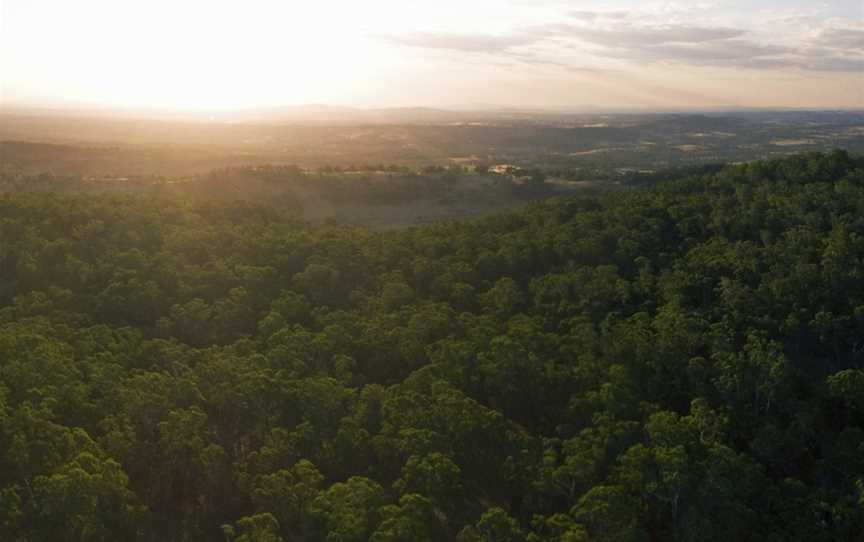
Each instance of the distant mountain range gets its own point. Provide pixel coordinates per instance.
(318, 114)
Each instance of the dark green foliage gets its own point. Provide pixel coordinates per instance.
(681, 363)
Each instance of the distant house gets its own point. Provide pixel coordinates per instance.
(504, 169)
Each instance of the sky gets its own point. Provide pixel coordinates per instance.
(551, 54)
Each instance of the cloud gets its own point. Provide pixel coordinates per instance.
(533, 58)
(739, 53)
(835, 63)
(841, 38)
(639, 36)
(633, 37)
(832, 49)
(626, 36)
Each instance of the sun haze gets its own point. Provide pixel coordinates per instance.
(212, 55)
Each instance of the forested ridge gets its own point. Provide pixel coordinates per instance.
(680, 362)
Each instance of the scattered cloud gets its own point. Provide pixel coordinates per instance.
(544, 59)
(629, 36)
(841, 38)
(833, 64)
(639, 36)
(732, 53)
(737, 53)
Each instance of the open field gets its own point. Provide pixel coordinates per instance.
(102, 146)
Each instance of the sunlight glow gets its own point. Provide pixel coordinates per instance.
(197, 54)
(233, 54)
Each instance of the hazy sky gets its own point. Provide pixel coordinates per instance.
(529, 53)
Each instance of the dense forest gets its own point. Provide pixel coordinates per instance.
(680, 361)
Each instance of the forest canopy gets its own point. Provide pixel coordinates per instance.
(682, 361)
